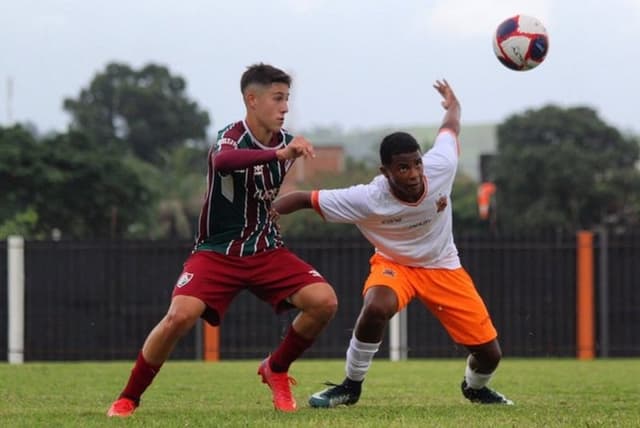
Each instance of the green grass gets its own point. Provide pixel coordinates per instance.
(417, 393)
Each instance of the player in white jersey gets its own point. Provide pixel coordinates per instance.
(406, 214)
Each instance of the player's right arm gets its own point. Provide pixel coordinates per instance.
(229, 158)
(348, 205)
(292, 202)
(451, 105)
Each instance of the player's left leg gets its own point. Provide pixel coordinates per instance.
(293, 283)
(481, 365)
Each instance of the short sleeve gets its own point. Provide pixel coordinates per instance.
(348, 205)
(445, 150)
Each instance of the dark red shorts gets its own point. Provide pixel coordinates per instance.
(216, 279)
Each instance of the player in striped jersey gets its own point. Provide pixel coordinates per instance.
(406, 214)
(239, 246)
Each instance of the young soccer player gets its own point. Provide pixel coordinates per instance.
(406, 214)
(239, 246)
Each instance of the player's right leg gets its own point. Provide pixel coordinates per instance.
(380, 304)
(183, 313)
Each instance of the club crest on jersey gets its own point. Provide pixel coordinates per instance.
(184, 279)
(441, 203)
(389, 272)
(257, 169)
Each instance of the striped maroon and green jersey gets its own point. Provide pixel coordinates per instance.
(234, 219)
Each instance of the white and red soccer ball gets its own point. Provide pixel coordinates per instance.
(521, 42)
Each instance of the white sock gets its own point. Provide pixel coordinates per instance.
(474, 379)
(359, 357)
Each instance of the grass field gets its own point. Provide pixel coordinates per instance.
(416, 393)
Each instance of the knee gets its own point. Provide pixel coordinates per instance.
(177, 323)
(493, 356)
(377, 311)
(325, 304)
(488, 356)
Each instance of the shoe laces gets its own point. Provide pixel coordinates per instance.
(124, 404)
(281, 382)
(338, 389)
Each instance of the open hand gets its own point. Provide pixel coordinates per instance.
(447, 93)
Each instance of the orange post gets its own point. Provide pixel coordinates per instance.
(584, 297)
(211, 342)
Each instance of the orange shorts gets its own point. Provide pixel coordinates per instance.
(449, 294)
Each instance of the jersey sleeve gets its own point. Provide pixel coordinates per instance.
(445, 150)
(348, 205)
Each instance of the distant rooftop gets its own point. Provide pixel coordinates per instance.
(475, 139)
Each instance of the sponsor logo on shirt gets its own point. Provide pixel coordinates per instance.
(392, 220)
(266, 195)
(420, 223)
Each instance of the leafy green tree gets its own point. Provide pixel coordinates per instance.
(21, 171)
(69, 183)
(23, 223)
(464, 198)
(564, 169)
(147, 109)
(180, 187)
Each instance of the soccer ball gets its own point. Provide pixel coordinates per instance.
(521, 42)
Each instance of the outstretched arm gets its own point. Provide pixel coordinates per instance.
(450, 103)
(291, 202)
(229, 158)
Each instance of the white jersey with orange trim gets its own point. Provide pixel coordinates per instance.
(414, 234)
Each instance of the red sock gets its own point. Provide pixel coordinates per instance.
(289, 350)
(141, 377)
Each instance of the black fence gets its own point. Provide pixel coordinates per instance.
(99, 300)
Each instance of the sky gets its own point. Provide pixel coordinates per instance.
(356, 64)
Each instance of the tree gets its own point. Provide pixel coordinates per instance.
(564, 169)
(20, 172)
(464, 199)
(147, 109)
(69, 183)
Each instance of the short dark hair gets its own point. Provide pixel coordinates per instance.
(263, 74)
(395, 144)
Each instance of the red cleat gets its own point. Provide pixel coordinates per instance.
(122, 408)
(279, 383)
